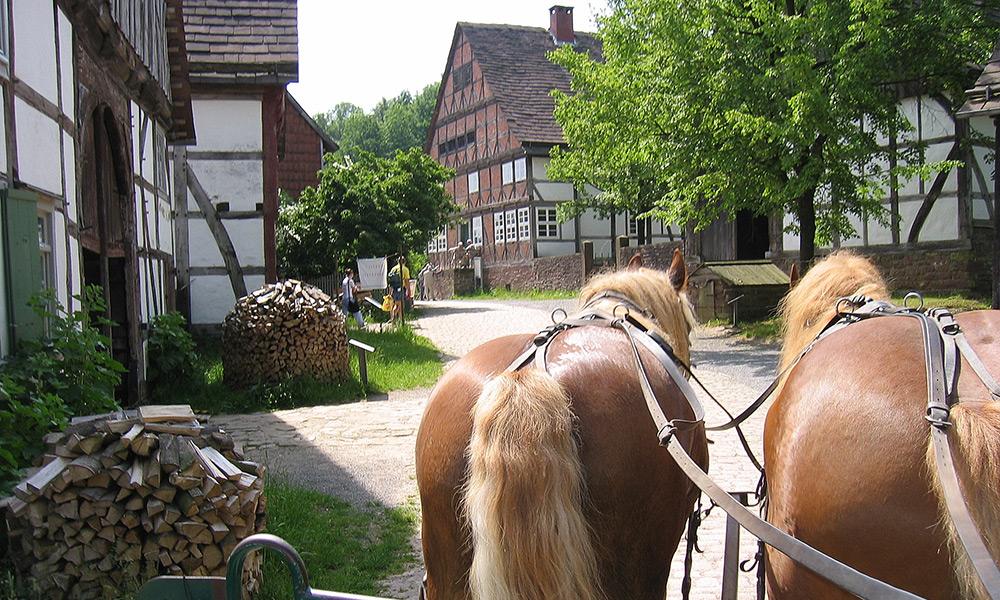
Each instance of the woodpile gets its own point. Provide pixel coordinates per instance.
(123, 497)
(283, 330)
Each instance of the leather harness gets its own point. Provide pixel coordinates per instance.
(944, 344)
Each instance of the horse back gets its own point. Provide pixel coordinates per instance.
(845, 450)
(637, 499)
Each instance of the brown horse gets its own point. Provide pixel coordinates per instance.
(846, 445)
(550, 484)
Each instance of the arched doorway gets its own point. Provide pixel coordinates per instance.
(106, 241)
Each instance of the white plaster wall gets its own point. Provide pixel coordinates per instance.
(74, 263)
(66, 63)
(212, 297)
(983, 125)
(69, 166)
(936, 120)
(547, 248)
(602, 247)
(166, 227)
(247, 236)
(942, 222)
(979, 209)
(37, 144)
(34, 43)
(553, 192)
(228, 124)
(882, 234)
(238, 182)
(593, 225)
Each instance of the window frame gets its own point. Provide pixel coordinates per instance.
(524, 224)
(520, 169)
(472, 175)
(507, 173)
(477, 230)
(498, 229)
(45, 250)
(510, 221)
(545, 217)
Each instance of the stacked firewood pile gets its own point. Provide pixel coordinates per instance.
(284, 329)
(130, 495)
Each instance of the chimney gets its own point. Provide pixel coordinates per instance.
(561, 24)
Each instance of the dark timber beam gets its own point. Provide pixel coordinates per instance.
(219, 233)
(932, 195)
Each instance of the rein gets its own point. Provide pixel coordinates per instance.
(944, 343)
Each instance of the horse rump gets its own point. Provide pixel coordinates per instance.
(524, 496)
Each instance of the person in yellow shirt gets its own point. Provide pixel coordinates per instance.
(399, 277)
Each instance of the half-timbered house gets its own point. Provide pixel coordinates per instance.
(494, 124)
(93, 91)
(252, 139)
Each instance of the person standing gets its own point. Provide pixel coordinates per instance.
(349, 298)
(399, 277)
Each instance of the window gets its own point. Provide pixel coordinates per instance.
(45, 249)
(507, 173)
(474, 182)
(442, 239)
(510, 220)
(633, 224)
(456, 144)
(159, 160)
(545, 219)
(477, 230)
(462, 76)
(464, 234)
(520, 169)
(498, 231)
(523, 224)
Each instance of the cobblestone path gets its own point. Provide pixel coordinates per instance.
(363, 452)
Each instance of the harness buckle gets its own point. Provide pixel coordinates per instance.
(938, 416)
(666, 432)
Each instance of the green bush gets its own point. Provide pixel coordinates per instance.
(69, 371)
(171, 353)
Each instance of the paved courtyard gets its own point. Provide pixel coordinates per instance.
(363, 452)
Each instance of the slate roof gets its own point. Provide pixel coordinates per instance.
(251, 41)
(514, 62)
(984, 98)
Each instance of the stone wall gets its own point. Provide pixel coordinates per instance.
(448, 283)
(548, 273)
(654, 256)
(959, 267)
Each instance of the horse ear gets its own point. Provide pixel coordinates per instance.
(635, 262)
(678, 273)
(793, 275)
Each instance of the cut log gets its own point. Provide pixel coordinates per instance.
(161, 413)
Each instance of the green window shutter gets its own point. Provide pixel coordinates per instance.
(24, 261)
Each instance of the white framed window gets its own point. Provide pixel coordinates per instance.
(498, 230)
(473, 182)
(442, 239)
(633, 224)
(477, 230)
(520, 169)
(545, 220)
(510, 220)
(432, 246)
(507, 173)
(523, 224)
(47, 265)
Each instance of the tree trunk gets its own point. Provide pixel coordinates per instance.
(807, 229)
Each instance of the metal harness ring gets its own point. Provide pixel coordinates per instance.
(919, 298)
(614, 311)
(557, 311)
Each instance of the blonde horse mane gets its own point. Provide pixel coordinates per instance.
(810, 305)
(651, 289)
(976, 429)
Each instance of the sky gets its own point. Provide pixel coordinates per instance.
(360, 51)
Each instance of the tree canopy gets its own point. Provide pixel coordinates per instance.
(364, 205)
(398, 123)
(702, 108)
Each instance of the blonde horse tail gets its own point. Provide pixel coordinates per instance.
(975, 442)
(525, 493)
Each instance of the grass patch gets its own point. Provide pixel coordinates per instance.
(956, 302)
(503, 294)
(345, 549)
(402, 360)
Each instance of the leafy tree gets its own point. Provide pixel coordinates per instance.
(365, 205)
(398, 123)
(702, 108)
